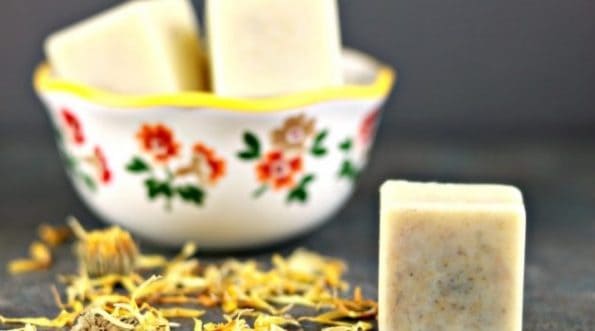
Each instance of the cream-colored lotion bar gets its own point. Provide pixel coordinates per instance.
(451, 257)
(261, 48)
(139, 47)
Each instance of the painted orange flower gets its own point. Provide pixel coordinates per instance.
(105, 174)
(158, 141)
(216, 165)
(279, 171)
(205, 164)
(294, 133)
(367, 129)
(73, 126)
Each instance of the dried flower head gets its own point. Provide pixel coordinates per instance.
(104, 252)
(93, 321)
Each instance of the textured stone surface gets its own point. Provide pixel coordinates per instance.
(558, 178)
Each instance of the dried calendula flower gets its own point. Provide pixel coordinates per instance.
(265, 322)
(54, 236)
(308, 266)
(94, 321)
(358, 307)
(66, 317)
(234, 322)
(125, 314)
(110, 292)
(345, 309)
(40, 259)
(104, 252)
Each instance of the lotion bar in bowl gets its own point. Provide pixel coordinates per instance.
(139, 47)
(261, 48)
(451, 257)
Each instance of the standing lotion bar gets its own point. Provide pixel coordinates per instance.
(451, 257)
(142, 46)
(262, 48)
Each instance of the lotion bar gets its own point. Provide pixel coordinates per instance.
(451, 257)
(141, 46)
(261, 48)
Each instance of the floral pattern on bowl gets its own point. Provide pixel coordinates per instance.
(282, 168)
(225, 173)
(83, 162)
(204, 168)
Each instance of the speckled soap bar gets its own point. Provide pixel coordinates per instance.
(451, 257)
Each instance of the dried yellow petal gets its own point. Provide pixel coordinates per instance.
(359, 326)
(266, 322)
(109, 294)
(40, 259)
(198, 325)
(150, 261)
(40, 252)
(181, 313)
(23, 266)
(27, 327)
(54, 236)
(63, 319)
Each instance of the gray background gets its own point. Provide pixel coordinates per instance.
(467, 67)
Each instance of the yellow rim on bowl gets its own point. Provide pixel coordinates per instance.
(44, 82)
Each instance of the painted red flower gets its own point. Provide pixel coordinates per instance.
(105, 174)
(158, 141)
(73, 126)
(278, 170)
(367, 128)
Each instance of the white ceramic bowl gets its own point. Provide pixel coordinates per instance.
(225, 173)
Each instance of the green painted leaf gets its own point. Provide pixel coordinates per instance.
(349, 170)
(157, 188)
(346, 145)
(70, 162)
(300, 192)
(298, 195)
(191, 193)
(318, 148)
(307, 180)
(248, 155)
(260, 191)
(58, 135)
(138, 165)
(252, 150)
(88, 181)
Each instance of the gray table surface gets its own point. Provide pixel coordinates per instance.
(557, 176)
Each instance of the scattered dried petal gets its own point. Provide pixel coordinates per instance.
(182, 313)
(40, 252)
(21, 266)
(54, 236)
(40, 259)
(27, 327)
(108, 293)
